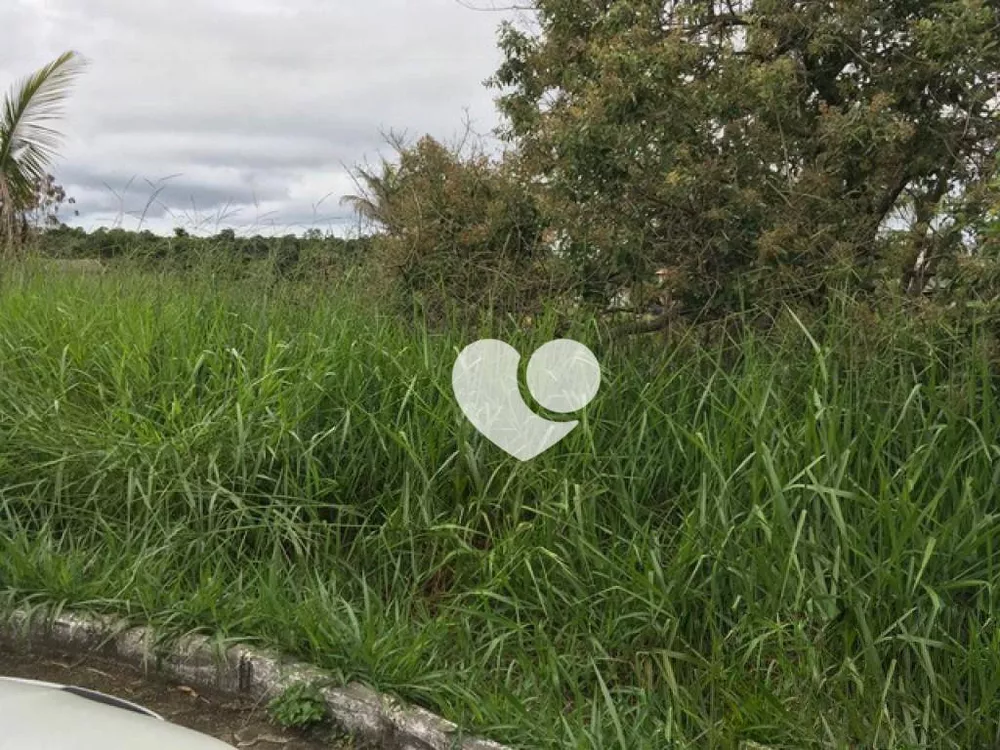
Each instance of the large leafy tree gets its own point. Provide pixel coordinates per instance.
(28, 141)
(757, 146)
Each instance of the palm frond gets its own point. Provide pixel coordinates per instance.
(28, 143)
(373, 201)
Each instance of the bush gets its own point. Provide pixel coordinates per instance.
(460, 235)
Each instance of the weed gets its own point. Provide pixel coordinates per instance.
(299, 706)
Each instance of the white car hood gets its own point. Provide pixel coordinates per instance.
(45, 716)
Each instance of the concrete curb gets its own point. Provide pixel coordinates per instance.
(238, 670)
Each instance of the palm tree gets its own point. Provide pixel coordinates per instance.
(375, 192)
(27, 142)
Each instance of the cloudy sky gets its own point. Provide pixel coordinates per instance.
(209, 114)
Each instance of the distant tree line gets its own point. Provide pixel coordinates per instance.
(313, 254)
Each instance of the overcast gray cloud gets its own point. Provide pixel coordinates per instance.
(244, 113)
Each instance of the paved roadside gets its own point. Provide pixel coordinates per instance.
(241, 723)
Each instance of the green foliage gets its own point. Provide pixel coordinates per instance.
(782, 536)
(460, 233)
(788, 538)
(315, 258)
(758, 147)
(28, 142)
(299, 706)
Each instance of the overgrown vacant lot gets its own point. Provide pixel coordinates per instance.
(795, 543)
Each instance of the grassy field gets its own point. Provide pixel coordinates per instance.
(796, 545)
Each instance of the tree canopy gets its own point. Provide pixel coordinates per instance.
(756, 145)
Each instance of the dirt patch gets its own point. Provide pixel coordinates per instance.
(240, 722)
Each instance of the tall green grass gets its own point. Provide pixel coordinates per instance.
(792, 541)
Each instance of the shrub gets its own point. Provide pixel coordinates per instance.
(460, 234)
